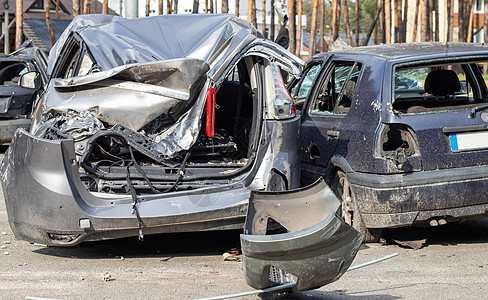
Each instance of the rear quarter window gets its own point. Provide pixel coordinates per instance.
(439, 87)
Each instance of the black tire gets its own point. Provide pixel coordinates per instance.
(348, 211)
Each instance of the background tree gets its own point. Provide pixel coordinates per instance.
(383, 22)
(86, 7)
(105, 7)
(272, 21)
(251, 12)
(436, 21)
(19, 21)
(388, 21)
(416, 21)
(292, 25)
(48, 22)
(398, 20)
(313, 27)
(356, 21)
(372, 26)
(375, 31)
(57, 10)
(237, 7)
(76, 7)
(424, 21)
(299, 26)
(225, 6)
(485, 21)
(321, 26)
(450, 21)
(347, 30)
(263, 19)
(469, 38)
(464, 17)
(404, 21)
(336, 17)
(148, 8)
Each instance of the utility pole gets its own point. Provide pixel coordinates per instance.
(131, 9)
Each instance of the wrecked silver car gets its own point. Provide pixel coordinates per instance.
(171, 124)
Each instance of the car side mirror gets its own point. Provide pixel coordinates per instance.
(30, 80)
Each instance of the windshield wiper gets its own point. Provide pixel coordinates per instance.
(476, 109)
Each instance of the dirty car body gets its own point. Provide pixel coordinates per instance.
(171, 130)
(399, 131)
(15, 98)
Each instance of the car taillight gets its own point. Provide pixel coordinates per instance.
(210, 124)
(284, 105)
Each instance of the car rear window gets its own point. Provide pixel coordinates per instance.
(439, 87)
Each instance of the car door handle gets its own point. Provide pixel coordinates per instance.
(333, 133)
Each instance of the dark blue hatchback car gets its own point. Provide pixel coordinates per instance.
(399, 131)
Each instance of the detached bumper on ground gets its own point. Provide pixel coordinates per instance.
(317, 249)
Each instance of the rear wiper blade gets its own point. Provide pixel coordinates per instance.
(476, 109)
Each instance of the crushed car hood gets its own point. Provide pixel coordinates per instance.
(111, 98)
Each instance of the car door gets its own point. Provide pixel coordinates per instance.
(324, 113)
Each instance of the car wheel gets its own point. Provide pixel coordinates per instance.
(348, 211)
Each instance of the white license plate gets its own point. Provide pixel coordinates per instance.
(467, 141)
